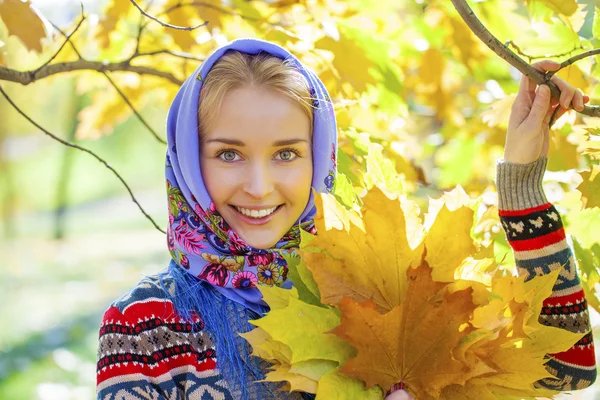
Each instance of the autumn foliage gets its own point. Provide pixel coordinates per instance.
(384, 293)
(383, 298)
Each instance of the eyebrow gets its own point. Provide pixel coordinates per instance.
(234, 142)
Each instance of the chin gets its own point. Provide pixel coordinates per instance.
(262, 244)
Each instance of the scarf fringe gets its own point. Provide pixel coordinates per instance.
(223, 319)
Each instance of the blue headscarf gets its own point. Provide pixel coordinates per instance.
(208, 256)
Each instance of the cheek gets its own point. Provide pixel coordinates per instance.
(298, 183)
(215, 182)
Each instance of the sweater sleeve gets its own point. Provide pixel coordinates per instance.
(535, 232)
(143, 356)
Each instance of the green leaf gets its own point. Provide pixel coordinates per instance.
(337, 386)
(596, 25)
(304, 331)
(344, 191)
(303, 280)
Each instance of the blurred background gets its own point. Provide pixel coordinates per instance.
(422, 105)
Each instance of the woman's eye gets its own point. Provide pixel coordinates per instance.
(228, 156)
(287, 155)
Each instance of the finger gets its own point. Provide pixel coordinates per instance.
(399, 395)
(546, 142)
(567, 99)
(526, 87)
(586, 99)
(578, 100)
(546, 65)
(566, 96)
(540, 106)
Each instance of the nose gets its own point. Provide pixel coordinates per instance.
(259, 182)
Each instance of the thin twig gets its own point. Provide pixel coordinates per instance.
(181, 28)
(139, 35)
(573, 59)
(67, 40)
(70, 42)
(504, 52)
(141, 27)
(177, 54)
(208, 5)
(216, 8)
(126, 100)
(554, 114)
(531, 58)
(69, 144)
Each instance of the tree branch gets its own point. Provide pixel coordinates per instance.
(27, 77)
(573, 59)
(505, 53)
(142, 120)
(181, 28)
(97, 157)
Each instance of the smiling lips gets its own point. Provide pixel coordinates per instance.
(262, 213)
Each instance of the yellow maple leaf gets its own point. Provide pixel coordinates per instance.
(24, 22)
(210, 11)
(355, 246)
(349, 59)
(412, 343)
(115, 11)
(295, 382)
(575, 76)
(447, 248)
(565, 7)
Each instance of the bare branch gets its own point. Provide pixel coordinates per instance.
(554, 114)
(67, 40)
(141, 27)
(27, 77)
(573, 59)
(97, 157)
(531, 57)
(504, 52)
(209, 5)
(181, 28)
(214, 7)
(177, 54)
(142, 120)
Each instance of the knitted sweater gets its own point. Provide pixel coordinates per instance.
(146, 351)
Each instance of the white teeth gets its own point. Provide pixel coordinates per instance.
(256, 213)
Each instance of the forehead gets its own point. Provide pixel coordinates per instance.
(259, 115)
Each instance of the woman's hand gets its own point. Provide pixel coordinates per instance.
(399, 395)
(528, 135)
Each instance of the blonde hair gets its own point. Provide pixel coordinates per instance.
(236, 69)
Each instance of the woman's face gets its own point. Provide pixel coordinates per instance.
(256, 162)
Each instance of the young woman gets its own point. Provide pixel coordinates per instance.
(250, 133)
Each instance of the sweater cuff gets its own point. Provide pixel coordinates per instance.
(520, 185)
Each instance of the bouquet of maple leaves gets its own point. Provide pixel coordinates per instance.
(381, 297)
